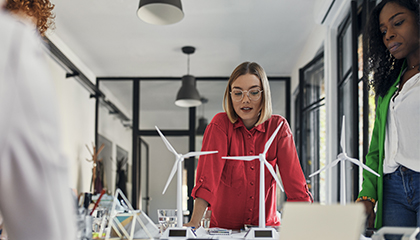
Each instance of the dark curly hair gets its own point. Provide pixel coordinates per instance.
(381, 69)
(41, 10)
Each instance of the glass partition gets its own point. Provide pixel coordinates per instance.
(114, 129)
(279, 97)
(313, 125)
(157, 106)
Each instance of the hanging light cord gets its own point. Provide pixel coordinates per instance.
(188, 64)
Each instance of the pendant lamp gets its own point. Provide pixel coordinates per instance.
(202, 121)
(160, 12)
(188, 95)
(202, 125)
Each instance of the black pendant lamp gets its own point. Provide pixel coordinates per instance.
(202, 125)
(202, 121)
(188, 95)
(160, 12)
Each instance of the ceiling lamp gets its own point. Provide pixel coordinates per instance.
(202, 121)
(188, 95)
(202, 125)
(160, 12)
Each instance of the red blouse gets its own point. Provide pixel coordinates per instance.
(231, 187)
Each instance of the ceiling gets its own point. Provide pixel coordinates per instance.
(109, 38)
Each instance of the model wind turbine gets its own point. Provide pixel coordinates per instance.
(270, 168)
(146, 228)
(178, 167)
(341, 158)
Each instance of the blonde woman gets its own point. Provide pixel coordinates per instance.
(231, 188)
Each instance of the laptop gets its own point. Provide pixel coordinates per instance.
(304, 221)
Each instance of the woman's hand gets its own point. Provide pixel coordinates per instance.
(370, 213)
(192, 224)
(200, 206)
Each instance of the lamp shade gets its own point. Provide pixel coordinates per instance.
(188, 95)
(160, 12)
(202, 125)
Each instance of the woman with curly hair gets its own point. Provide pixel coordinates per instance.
(35, 197)
(392, 58)
(38, 12)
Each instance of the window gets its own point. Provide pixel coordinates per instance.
(354, 101)
(311, 125)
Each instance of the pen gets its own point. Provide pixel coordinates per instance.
(97, 202)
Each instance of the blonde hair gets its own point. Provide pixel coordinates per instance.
(254, 69)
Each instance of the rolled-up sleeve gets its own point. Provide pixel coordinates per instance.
(210, 167)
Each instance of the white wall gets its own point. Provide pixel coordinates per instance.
(77, 119)
(77, 122)
(314, 43)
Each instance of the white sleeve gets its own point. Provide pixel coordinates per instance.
(35, 197)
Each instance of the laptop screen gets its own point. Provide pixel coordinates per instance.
(303, 221)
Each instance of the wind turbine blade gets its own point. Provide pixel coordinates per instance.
(245, 158)
(355, 161)
(343, 134)
(168, 145)
(270, 140)
(332, 164)
(174, 168)
(192, 154)
(273, 173)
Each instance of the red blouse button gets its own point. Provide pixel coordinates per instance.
(252, 167)
(252, 197)
(201, 180)
(249, 136)
(252, 183)
(248, 219)
(250, 209)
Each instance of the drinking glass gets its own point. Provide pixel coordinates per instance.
(99, 220)
(205, 221)
(167, 218)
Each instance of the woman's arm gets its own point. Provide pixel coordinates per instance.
(200, 206)
(369, 184)
(370, 212)
(294, 181)
(368, 195)
(210, 167)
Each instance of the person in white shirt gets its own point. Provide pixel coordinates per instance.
(35, 197)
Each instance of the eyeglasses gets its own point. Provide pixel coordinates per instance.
(253, 94)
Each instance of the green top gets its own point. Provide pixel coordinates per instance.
(372, 185)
